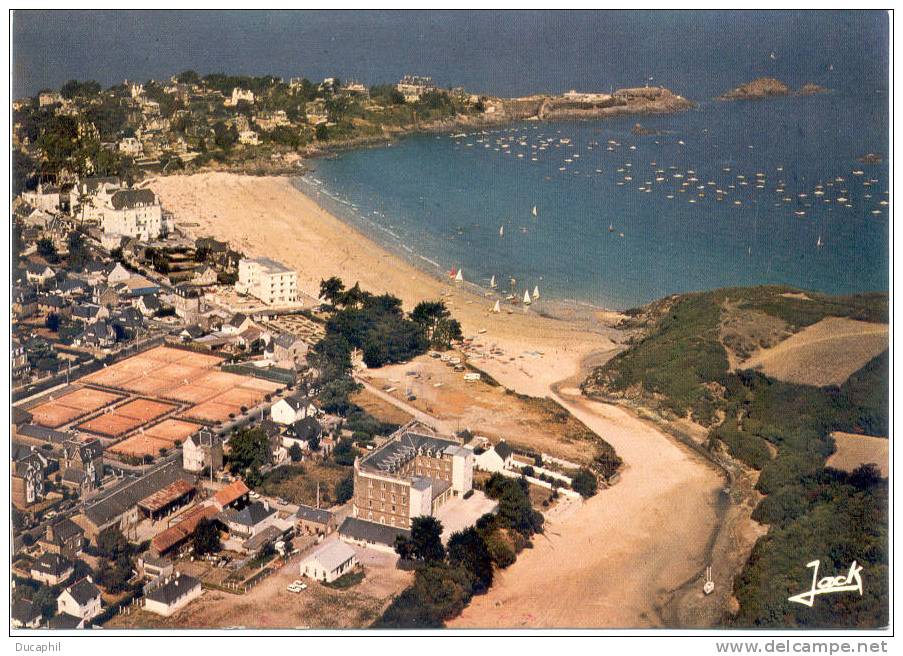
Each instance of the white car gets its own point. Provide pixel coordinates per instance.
(293, 588)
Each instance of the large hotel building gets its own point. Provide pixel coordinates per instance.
(412, 474)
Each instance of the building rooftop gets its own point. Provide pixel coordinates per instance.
(83, 591)
(176, 588)
(166, 540)
(270, 265)
(130, 492)
(311, 514)
(398, 451)
(359, 529)
(250, 515)
(332, 554)
(162, 498)
(231, 493)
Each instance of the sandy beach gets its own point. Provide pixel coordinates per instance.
(268, 216)
(613, 561)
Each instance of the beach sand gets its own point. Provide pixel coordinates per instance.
(269, 216)
(610, 562)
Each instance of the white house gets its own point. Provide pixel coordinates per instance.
(239, 94)
(132, 213)
(130, 146)
(267, 280)
(202, 450)
(238, 324)
(248, 138)
(173, 595)
(118, 274)
(329, 562)
(43, 198)
(291, 409)
(51, 569)
(496, 459)
(81, 599)
(250, 520)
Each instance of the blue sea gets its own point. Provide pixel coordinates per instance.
(730, 193)
(614, 224)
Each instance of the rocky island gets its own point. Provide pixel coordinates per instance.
(810, 89)
(763, 87)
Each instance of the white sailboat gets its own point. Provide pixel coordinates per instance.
(497, 307)
(459, 277)
(492, 282)
(501, 231)
(536, 293)
(611, 227)
(527, 299)
(819, 243)
(535, 213)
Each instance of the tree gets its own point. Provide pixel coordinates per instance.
(322, 132)
(344, 489)
(52, 322)
(295, 452)
(206, 537)
(435, 319)
(332, 289)
(426, 536)
(74, 88)
(468, 549)
(188, 77)
(248, 451)
(404, 547)
(46, 249)
(344, 453)
(585, 483)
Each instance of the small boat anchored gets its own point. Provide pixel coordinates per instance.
(709, 586)
(536, 293)
(497, 307)
(527, 299)
(492, 284)
(534, 212)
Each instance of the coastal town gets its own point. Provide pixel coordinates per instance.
(187, 429)
(231, 409)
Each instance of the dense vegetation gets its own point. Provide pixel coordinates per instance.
(446, 579)
(781, 429)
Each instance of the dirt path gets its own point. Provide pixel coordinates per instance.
(614, 560)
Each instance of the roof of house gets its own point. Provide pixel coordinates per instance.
(64, 621)
(64, 530)
(24, 611)
(250, 515)
(38, 269)
(360, 529)
(162, 498)
(231, 493)
(166, 540)
(87, 450)
(307, 428)
(331, 555)
(398, 451)
(271, 266)
(237, 319)
(256, 542)
(43, 433)
(311, 514)
(128, 494)
(503, 450)
(193, 331)
(83, 591)
(128, 198)
(176, 588)
(53, 564)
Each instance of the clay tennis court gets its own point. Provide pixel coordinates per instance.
(141, 445)
(69, 407)
(110, 425)
(211, 411)
(126, 417)
(172, 430)
(191, 393)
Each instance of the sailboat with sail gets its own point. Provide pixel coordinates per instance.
(501, 231)
(527, 299)
(536, 293)
(492, 284)
(819, 243)
(497, 307)
(535, 213)
(459, 277)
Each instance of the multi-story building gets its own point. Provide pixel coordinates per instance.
(271, 282)
(133, 213)
(412, 87)
(240, 94)
(203, 450)
(412, 474)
